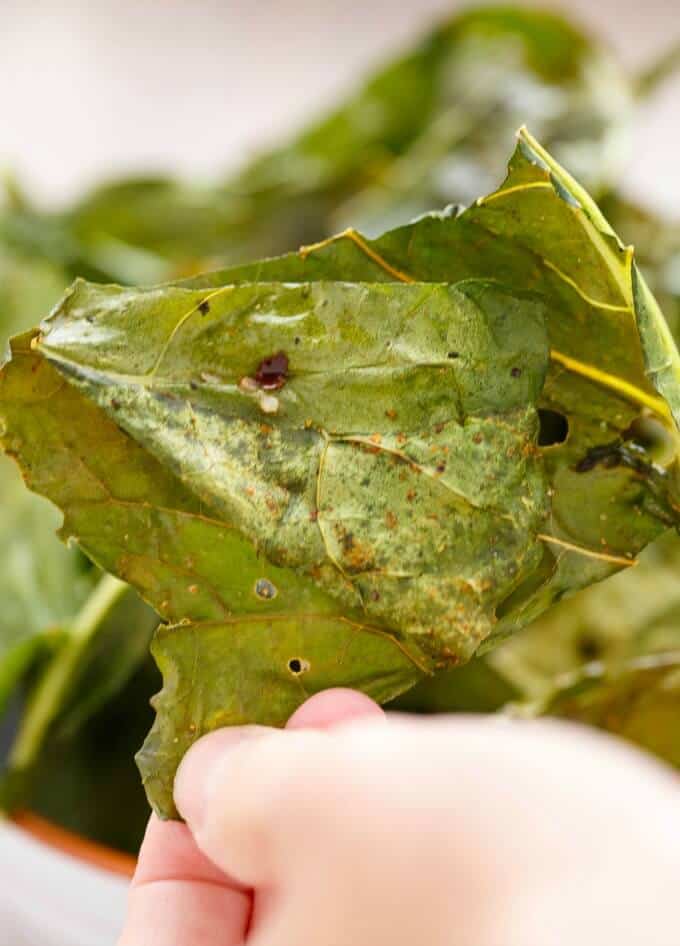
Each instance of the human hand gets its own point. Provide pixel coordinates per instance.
(457, 831)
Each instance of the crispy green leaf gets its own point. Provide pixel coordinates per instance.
(186, 561)
(598, 381)
(389, 497)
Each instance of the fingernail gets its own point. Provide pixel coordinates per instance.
(204, 760)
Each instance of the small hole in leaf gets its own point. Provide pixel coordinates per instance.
(265, 589)
(589, 648)
(297, 666)
(553, 427)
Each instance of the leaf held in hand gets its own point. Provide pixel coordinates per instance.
(356, 464)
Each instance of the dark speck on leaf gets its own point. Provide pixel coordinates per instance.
(516, 372)
(589, 648)
(115, 404)
(441, 467)
(272, 372)
(193, 385)
(375, 596)
(453, 354)
(608, 456)
(297, 339)
(204, 307)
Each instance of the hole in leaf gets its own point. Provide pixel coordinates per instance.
(589, 648)
(265, 589)
(297, 666)
(553, 427)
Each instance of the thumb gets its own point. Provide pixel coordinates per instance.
(245, 792)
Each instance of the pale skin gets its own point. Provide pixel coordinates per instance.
(350, 829)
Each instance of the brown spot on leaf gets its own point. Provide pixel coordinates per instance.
(356, 557)
(272, 372)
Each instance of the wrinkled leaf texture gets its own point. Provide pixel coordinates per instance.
(394, 504)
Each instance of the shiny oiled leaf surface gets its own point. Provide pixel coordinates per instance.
(330, 468)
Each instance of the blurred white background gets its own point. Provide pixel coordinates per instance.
(90, 88)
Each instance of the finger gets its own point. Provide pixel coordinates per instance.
(234, 792)
(324, 710)
(178, 896)
(333, 708)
